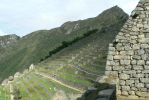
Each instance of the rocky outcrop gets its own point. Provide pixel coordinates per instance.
(128, 56)
(8, 39)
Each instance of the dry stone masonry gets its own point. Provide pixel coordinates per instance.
(128, 56)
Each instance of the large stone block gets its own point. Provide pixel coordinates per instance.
(144, 57)
(129, 72)
(138, 76)
(143, 89)
(125, 88)
(139, 85)
(125, 62)
(147, 62)
(136, 46)
(134, 89)
(117, 57)
(109, 68)
(142, 94)
(130, 52)
(137, 57)
(116, 68)
(141, 52)
(125, 93)
(129, 82)
(126, 57)
(111, 73)
(144, 80)
(110, 63)
(124, 76)
(127, 48)
(122, 52)
(122, 82)
(145, 71)
(144, 46)
(137, 67)
(111, 53)
(147, 85)
(111, 48)
(140, 62)
(133, 62)
(146, 67)
(110, 57)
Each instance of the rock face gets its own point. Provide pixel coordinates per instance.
(8, 39)
(128, 57)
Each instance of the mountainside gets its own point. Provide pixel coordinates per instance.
(39, 45)
(67, 59)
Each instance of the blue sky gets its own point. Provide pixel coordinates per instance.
(24, 16)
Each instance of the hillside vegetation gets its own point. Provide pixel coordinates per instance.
(37, 46)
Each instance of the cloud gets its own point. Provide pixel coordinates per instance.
(22, 17)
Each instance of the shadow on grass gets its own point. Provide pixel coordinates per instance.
(93, 93)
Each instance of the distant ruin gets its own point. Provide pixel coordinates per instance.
(128, 56)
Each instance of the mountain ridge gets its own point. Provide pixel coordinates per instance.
(37, 45)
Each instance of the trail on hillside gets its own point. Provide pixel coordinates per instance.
(59, 82)
(82, 70)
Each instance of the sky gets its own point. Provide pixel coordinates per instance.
(22, 17)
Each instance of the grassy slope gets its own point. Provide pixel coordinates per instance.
(89, 54)
(47, 87)
(35, 46)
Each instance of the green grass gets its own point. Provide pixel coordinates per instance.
(35, 87)
(4, 95)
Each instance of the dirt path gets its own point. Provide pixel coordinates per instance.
(59, 82)
(81, 69)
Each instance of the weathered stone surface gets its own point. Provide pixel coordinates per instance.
(130, 56)
(125, 93)
(124, 76)
(125, 88)
(111, 48)
(129, 82)
(136, 57)
(138, 75)
(122, 82)
(136, 46)
(117, 57)
(140, 62)
(125, 62)
(144, 46)
(108, 68)
(142, 94)
(139, 85)
(135, 67)
(145, 71)
(133, 62)
(144, 80)
(110, 57)
(146, 67)
(141, 52)
(132, 93)
(116, 68)
(11, 78)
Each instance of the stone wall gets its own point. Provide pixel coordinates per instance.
(128, 56)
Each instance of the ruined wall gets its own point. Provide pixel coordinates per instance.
(128, 56)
